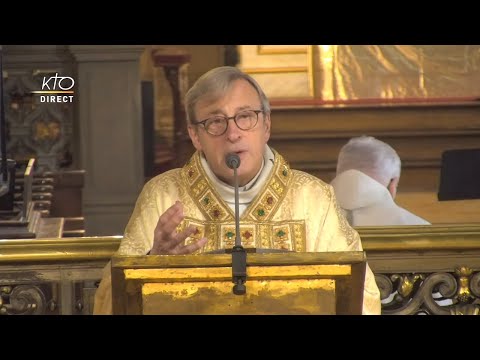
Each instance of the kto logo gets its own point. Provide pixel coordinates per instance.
(64, 83)
(55, 89)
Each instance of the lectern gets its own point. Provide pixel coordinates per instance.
(277, 283)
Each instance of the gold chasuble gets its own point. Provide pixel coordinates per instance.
(260, 227)
(293, 211)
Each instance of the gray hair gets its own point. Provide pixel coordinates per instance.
(214, 84)
(370, 156)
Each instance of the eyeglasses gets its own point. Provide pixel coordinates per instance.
(218, 125)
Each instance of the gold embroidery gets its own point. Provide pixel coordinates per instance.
(265, 206)
(287, 235)
(207, 200)
(262, 208)
(204, 193)
(284, 173)
(248, 236)
(198, 234)
(257, 229)
(211, 234)
(229, 235)
(345, 228)
(198, 188)
(299, 236)
(217, 213)
(265, 236)
(282, 234)
(275, 185)
(281, 238)
(192, 173)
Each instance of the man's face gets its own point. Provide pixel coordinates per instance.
(248, 144)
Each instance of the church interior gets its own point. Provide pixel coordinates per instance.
(78, 160)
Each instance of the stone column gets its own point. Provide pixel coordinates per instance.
(110, 133)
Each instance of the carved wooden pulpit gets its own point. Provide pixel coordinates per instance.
(277, 283)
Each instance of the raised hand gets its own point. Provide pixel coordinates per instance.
(167, 240)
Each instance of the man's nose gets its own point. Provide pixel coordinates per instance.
(233, 131)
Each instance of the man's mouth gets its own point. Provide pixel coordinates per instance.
(238, 152)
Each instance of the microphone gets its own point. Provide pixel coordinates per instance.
(239, 255)
(233, 161)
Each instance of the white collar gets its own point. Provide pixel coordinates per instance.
(251, 189)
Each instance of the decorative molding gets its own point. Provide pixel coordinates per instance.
(276, 70)
(27, 251)
(285, 50)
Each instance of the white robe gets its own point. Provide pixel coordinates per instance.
(369, 203)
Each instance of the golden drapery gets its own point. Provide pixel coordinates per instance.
(396, 71)
(370, 73)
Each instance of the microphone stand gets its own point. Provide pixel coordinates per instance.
(239, 255)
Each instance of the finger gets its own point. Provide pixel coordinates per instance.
(172, 211)
(168, 222)
(163, 236)
(188, 249)
(180, 237)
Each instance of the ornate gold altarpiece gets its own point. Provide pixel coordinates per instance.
(277, 283)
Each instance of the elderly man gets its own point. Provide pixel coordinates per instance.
(368, 172)
(192, 209)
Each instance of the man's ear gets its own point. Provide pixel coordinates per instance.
(267, 123)
(193, 133)
(392, 186)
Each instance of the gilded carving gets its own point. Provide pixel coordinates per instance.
(463, 293)
(22, 300)
(430, 293)
(407, 283)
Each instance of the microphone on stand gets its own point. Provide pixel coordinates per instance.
(239, 255)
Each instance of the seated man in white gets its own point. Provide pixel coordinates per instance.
(368, 172)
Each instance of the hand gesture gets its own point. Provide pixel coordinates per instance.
(167, 240)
